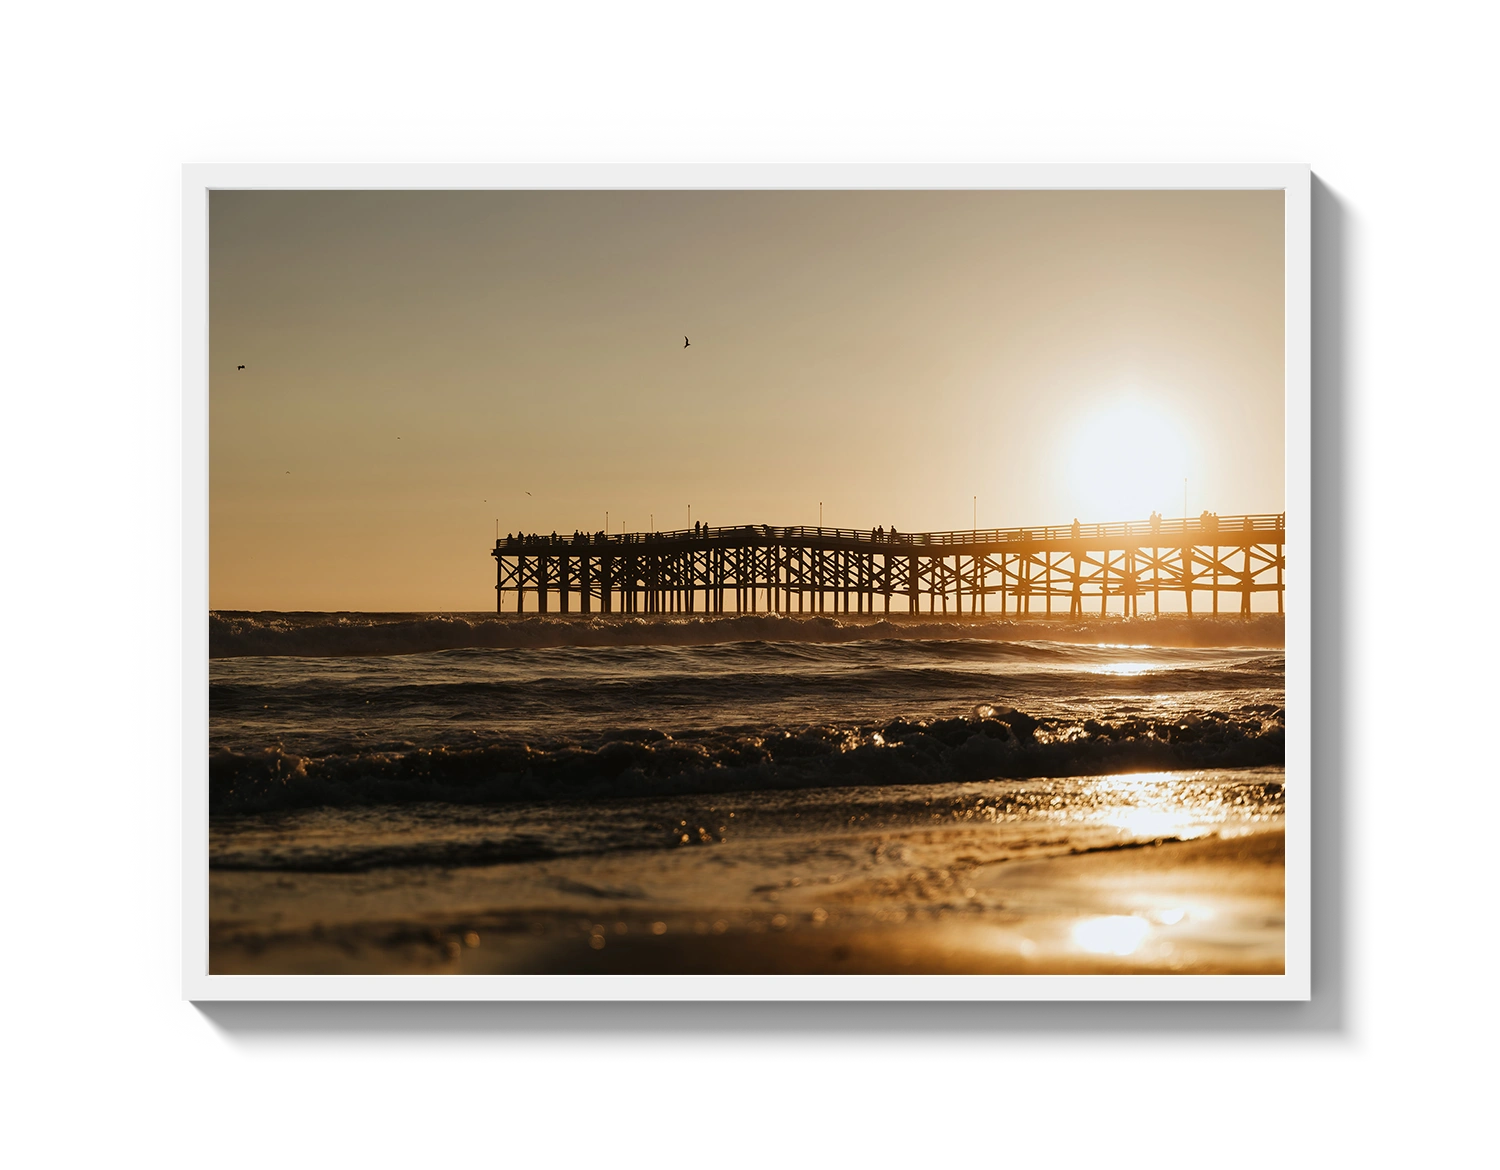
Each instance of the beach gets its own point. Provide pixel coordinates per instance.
(674, 796)
(1208, 906)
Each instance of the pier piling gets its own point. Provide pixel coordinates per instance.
(800, 568)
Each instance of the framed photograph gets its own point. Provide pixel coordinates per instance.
(727, 582)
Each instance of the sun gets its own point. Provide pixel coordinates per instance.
(1123, 460)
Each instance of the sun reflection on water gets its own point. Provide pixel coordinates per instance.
(1114, 934)
(1156, 805)
(1183, 824)
(1125, 668)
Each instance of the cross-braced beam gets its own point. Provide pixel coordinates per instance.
(1073, 569)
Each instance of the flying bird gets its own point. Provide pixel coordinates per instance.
(239, 367)
(528, 493)
(685, 344)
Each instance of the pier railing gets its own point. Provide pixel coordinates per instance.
(1203, 529)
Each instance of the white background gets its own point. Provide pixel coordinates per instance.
(1395, 111)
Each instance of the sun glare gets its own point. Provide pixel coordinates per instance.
(1117, 934)
(1125, 669)
(1125, 460)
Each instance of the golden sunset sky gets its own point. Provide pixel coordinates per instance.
(416, 363)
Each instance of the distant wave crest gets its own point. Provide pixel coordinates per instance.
(992, 743)
(239, 635)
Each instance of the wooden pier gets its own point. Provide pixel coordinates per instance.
(1071, 570)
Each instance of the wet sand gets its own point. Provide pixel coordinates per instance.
(1213, 905)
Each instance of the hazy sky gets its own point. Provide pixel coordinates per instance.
(417, 362)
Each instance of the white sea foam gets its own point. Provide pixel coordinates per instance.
(993, 743)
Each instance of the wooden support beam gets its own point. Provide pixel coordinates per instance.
(800, 568)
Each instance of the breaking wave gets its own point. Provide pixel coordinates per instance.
(991, 743)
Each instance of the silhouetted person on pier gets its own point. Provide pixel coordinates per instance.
(1077, 528)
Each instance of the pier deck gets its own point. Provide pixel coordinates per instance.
(750, 568)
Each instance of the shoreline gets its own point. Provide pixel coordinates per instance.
(1211, 905)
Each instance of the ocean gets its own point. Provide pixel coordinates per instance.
(450, 792)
